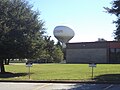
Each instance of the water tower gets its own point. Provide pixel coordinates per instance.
(63, 34)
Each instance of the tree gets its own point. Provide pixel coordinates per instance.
(115, 9)
(58, 55)
(20, 31)
(59, 45)
(49, 48)
(52, 52)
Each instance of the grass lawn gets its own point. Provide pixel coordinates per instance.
(62, 72)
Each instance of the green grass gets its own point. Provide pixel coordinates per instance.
(62, 72)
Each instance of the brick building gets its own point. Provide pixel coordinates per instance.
(93, 52)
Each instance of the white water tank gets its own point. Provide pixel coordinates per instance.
(63, 34)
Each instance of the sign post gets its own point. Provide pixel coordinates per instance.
(92, 66)
(29, 64)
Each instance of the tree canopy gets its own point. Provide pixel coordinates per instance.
(52, 52)
(115, 9)
(21, 30)
(21, 34)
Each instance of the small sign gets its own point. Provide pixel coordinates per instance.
(92, 65)
(28, 64)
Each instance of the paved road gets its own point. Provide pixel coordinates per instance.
(57, 86)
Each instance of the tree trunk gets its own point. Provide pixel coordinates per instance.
(7, 61)
(2, 69)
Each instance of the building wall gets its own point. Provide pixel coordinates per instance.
(93, 52)
(89, 55)
(87, 52)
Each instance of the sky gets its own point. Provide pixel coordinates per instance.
(86, 17)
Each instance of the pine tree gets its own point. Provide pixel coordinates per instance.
(115, 9)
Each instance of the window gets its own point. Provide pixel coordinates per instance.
(114, 55)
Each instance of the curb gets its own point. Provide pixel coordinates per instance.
(62, 81)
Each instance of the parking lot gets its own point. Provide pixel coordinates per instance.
(57, 86)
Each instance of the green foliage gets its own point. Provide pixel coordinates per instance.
(115, 9)
(58, 55)
(49, 48)
(20, 30)
(59, 45)
(53, 53)
(21, 33)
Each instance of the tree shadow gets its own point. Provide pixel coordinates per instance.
(108, 77)
(11, 75)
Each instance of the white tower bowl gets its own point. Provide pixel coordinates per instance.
(63, 34)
